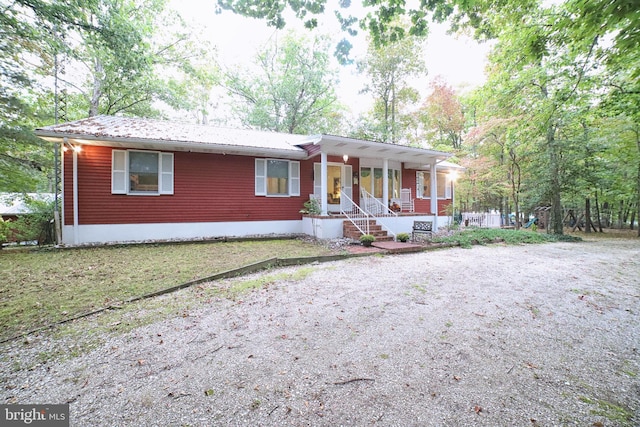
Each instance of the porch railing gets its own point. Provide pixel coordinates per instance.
(377, 210)
(356, 215)
(373, 206)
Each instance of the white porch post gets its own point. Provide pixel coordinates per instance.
(434, 192)
(75, 197)
(323, 183)
(385, 182)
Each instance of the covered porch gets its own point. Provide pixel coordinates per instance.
(356, 180)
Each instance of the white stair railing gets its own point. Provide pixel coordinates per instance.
(357, 216)
(377, 210)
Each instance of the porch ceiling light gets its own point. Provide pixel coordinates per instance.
(453, 175)
(345, 157)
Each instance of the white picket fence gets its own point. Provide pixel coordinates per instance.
(482, 220)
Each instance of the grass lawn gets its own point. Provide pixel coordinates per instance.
(41, 286)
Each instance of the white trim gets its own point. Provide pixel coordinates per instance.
(120, 177)
(294, 178)
(122, 233)
(119, 174)
(261, 176)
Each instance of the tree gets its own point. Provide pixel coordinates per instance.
(135, 61)
(442, 115)
(293, 90)
(388, 69)
(30, 33)
(130, 66)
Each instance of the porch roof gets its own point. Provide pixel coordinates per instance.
(130, 132)
(413, 158)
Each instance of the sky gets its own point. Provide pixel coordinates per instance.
(458, 59)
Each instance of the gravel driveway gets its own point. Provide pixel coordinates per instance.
(532, 335)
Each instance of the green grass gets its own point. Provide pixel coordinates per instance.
(613, 412)
(245, 286)
(39, 287)
(469, 237)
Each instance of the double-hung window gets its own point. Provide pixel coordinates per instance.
(424, 185)
(275, 177)
(141, 172)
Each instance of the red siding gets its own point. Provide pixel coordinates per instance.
(207, 188)
(422, 205)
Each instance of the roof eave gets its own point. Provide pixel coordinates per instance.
(169, 145)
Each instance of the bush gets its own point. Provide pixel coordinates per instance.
(4, 231)
(403, 237)
(36, 225)
(367, 239)
(470, 236)
(311, 207)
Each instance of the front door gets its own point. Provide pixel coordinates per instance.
(339, 184)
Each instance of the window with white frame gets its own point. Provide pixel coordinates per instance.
(141, 172)
(275, 177)
(424, 185)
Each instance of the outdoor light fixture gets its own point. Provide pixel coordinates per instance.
(345, 157)
(66, 146)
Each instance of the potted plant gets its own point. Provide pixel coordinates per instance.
(403, 237)
(367, 239)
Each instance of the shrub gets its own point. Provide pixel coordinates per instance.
(311, 207)
(36, 225)
(367, 239)
(403, 237)
(4, 231)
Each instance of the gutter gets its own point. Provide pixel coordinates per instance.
(196, 147)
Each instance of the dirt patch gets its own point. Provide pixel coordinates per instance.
(533, 335)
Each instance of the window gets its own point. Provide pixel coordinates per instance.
(277, 178)
(424, 185)
(141, 172)
(371, 180)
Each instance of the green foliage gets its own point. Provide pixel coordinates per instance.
(293, 91)
(5, 229)
(37, 225)
(311, 207)
(367, 239)
(467, 238)
(388, 70)
(403, 237)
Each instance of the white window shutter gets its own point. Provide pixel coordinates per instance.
(294, 178)
(261, 177)
(166, 173)
(118, 172)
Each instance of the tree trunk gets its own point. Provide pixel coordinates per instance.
(554, 162)
(598, 213)
(638, 181)
(587, 214)
(97, 89)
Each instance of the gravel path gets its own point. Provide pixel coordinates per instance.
(535, 335)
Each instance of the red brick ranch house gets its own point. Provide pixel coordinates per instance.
(134, 180)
